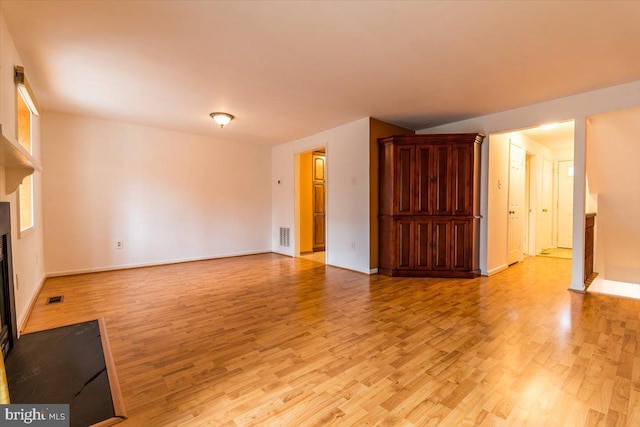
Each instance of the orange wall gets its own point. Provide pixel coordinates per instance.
(306, 204)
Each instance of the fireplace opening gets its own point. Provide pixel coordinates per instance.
(8, 326)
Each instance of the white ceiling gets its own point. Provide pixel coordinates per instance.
(291, 69)
(560, 136)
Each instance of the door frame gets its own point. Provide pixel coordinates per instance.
(296, 197)
(496, 183)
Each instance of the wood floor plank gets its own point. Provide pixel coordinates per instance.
(269, 340)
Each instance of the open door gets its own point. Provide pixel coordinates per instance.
(515, 231)
(319, 200)
(545, 231)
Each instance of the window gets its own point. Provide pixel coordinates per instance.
(25, 191)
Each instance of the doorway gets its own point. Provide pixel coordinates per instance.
(538, 164)
(311, 196)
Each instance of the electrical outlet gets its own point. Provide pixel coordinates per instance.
(353, 245)
(119, 244)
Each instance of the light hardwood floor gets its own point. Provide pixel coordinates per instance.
(315, 256)
(268, 340)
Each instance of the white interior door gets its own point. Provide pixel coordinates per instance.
(515, 230)
(565, 204)
(546, 199)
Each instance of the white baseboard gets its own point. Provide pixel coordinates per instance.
(497, 269)
(149, 264)
(22, 322)
(373, 271)
(355, 270)
(282, 253)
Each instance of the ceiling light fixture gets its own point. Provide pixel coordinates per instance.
(221, 118)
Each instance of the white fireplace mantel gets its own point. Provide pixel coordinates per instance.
(17, 163)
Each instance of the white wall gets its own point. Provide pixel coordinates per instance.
(347, 150)
(498, 209)
(168, 196)
(577, 107)
(613, 153)
(28, 265)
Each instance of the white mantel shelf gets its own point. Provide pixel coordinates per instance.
(17, 162)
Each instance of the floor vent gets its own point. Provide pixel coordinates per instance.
(284, 237)
(55, 300)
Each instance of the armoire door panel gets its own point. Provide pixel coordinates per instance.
(461, 241)
(404, 179)
(441, 246)
(424, 184)
(442, 180)
(423, 242)
(462, 185)
(405, 244)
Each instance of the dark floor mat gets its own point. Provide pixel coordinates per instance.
(63, 365)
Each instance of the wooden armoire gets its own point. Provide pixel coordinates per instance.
(429, 209)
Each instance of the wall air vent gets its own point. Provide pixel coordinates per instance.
(284, 236)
